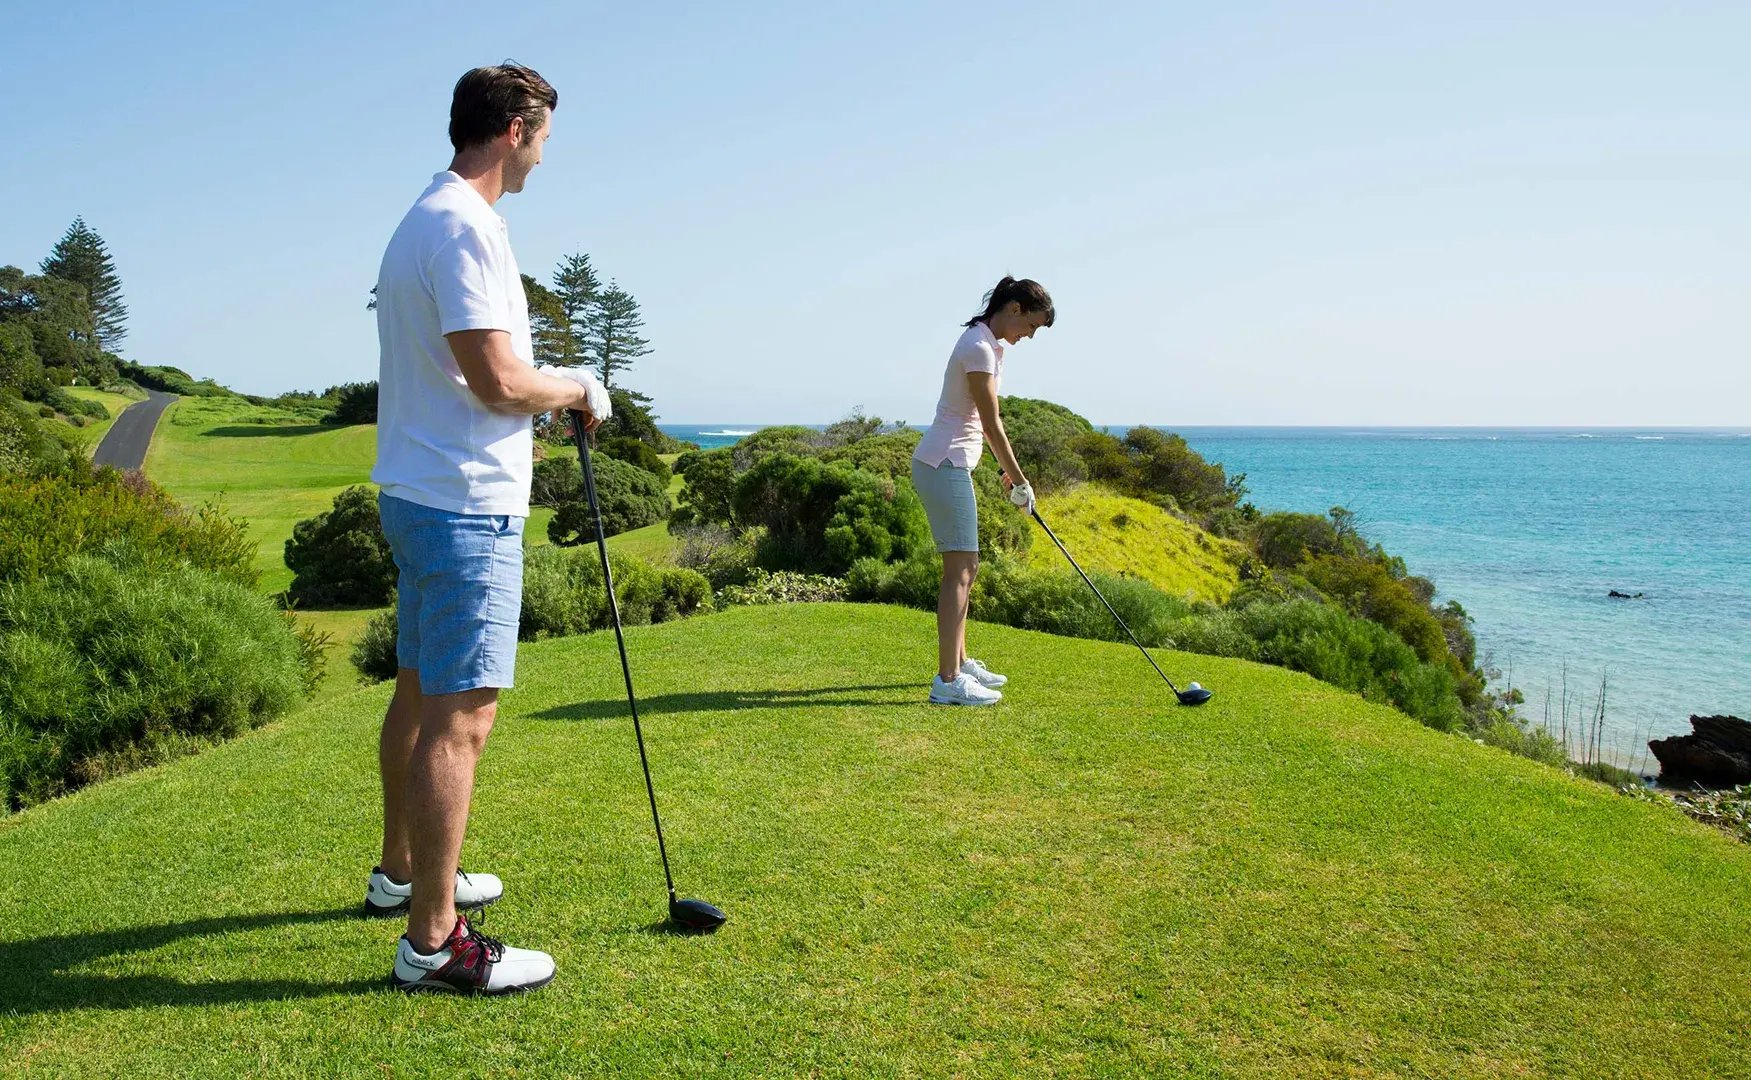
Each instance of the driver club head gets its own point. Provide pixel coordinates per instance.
(696, 916)
(1194, 695)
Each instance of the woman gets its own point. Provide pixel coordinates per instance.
(942, 471)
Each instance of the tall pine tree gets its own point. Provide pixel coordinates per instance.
(547, 324)
(82, 258)
(576, 286)
(611, 336)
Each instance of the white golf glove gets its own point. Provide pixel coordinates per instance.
(1022, 495)
(601, 407)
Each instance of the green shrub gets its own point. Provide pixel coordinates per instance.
(1367, 589)
(788, 439)
(340, 557)
(785, 587)
(637, 453)
(1534, 743)
(95, 659)
(1285, 540)
(563, 592)
(1354, 654)
(821, 518)
(49, 519)
(1003, 526)
(709, 496)
(1043, 436)
(888, 454)
(21, 369)
(1059, 602)
(28, 447)
(913, 582)
(355, 403)
(630, 499)
(374, 652)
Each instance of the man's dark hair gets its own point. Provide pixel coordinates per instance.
(487, 99)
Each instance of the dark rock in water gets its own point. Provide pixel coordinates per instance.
(1718, 753)
(1615, 595)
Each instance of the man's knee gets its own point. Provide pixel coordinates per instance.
(464, 718)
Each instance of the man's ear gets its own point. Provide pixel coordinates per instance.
(516, 131)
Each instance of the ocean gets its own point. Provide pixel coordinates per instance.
(1531, 529)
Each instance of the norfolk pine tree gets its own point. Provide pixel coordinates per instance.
(82, 258)
(612, 339)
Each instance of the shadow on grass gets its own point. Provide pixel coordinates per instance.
(730, 701)
(254, 431)
(35, 975)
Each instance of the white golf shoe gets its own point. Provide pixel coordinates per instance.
(386, 896)
(963, 689)
(469, 962)
(983, 675)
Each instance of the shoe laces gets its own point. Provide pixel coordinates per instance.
(494, 948)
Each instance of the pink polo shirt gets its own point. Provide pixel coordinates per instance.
(957, 435)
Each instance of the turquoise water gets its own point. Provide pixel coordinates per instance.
(1530, 529)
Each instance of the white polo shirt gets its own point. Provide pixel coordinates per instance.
(957, 435)
(449, 267)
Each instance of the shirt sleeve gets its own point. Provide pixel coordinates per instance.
(468, 285)
(977, 356)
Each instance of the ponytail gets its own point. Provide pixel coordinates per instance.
(1030, 294)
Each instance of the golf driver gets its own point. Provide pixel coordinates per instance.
(692, 915)
(1191, 695)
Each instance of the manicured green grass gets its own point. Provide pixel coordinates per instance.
(1083, 881)
(264, 465)
(1122, 535)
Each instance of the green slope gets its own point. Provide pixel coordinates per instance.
(1085, 880)
(1122, 535)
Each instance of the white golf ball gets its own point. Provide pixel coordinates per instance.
(1194, 686)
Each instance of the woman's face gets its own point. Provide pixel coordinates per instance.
(1011, 324)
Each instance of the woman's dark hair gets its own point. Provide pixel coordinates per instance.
(1030, 294)
(487, 99)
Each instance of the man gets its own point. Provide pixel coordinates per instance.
(457, 390)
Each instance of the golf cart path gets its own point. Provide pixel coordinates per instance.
(124, 445)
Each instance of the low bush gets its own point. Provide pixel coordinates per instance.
(355, 403)
(340, 557)
(80, 510)
(784, 587)
(95, 659)
(563, 592)
(822, 518)
(374, 652)
(630, 498)
(634, 452)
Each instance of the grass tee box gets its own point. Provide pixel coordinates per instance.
(1084, 880)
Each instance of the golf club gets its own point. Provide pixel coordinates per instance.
(692, 915)
(1191, 695)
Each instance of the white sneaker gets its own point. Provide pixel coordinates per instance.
(962, 690)
(470, 963)
(386, 896)
(983, 675)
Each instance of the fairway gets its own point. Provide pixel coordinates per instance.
(1084, 880)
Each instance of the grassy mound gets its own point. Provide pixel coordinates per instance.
(1122, 535)
(1082, 881)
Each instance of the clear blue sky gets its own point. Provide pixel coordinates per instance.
(1350, 214)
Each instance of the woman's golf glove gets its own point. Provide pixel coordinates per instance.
(1022, 495)
(600, 406)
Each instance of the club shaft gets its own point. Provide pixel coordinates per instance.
(1109, 607)
(620, 639)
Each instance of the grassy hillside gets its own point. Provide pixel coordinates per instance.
(1084, 881)
(263, 464)
(1129, 536)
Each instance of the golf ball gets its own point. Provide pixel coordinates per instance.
(1195, 686)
